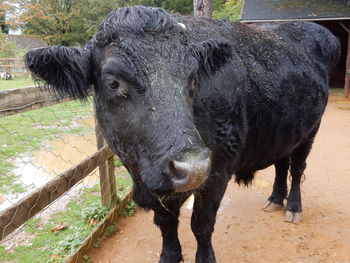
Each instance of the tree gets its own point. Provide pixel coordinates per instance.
(9, 49)
(66, 22)
(184, 7)
(3, 26)
(174, 6)
(203, 8)
(73, 22)
(230, 10)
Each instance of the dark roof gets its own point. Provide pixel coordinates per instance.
(27, 42)
(287, 10)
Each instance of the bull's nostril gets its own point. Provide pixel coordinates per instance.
(179, 174)
(191, 168)
(195, 170)
(183, 167)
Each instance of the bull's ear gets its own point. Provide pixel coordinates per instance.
(65, 70)
(211, 55)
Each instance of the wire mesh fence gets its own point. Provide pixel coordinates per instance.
(50, 180)
(13, 66)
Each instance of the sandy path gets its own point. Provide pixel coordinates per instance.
(244, 233)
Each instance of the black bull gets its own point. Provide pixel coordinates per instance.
(186, 103)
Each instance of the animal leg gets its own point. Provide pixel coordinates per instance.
(280, 191)
(206, 204)
(166, 218)
(298, 165)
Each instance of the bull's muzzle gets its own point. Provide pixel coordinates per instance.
(191, 172)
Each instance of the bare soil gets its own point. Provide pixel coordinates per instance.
(245, 233)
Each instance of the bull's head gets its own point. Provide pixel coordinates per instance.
(145, 69)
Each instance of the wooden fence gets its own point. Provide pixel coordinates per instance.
(14, 66)
(26, 99)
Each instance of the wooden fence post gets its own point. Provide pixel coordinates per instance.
(111, 179)
(8, 66)
(347, 70)
(106, 171)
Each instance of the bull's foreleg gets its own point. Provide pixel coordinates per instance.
(166, 218)
(206, 204)
(279, 192)
(298, 165)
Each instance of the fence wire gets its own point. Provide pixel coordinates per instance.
(13, 66)
(36, 147)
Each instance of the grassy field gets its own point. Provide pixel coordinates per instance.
(24, 133)
(79, 218)
(16, 83)
(35, 127)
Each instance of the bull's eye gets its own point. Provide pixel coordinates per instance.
(114, 85)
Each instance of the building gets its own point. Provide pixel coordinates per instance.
(15, 66)
(333, 14)
(27, 42)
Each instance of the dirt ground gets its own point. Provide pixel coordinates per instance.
(245, 233)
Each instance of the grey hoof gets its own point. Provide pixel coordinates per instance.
(272, 207)
(293, 217)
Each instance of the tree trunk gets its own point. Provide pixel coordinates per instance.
(202, 8)
(347, 70)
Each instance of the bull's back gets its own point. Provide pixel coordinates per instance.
(286, 70)
(320, 45)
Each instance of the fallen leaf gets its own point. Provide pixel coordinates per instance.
(59, 227)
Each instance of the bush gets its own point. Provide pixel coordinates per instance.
(231, 10)
(94, 211)
(9, 49)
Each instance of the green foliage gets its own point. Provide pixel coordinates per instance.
(9, 49)
(3, 25)
(184, 7)
(73, 22)
(48, 246)
(118, 163)
(230, 10)
(218, 5)
(94, 211)
(174, 6)
(110, 230)
(66, 22)
(129, 209)
(69, 244)
(123, 181)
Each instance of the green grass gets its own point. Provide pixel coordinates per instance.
(123, 181)
(129, 209)
(338, 92)
(16, 83)
(24, 133)
(47, 246)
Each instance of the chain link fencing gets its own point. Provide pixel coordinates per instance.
(56, 182)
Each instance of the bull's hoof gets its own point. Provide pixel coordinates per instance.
(271, 206)
(171, 259)
(293, 217)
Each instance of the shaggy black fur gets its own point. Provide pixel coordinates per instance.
(65, 70)
(168, 87)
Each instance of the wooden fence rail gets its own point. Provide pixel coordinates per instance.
(15, 101)
(25, 99)
(26, 208)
